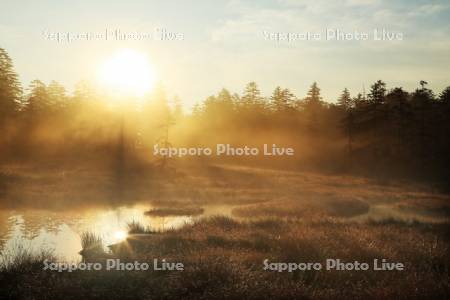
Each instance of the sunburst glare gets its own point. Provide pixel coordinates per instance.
(127, 72)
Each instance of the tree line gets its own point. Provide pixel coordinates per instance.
(386, 131)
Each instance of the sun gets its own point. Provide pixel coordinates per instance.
(120, 235)
(127, 72)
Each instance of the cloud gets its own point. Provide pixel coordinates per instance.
(362, 2)
(429, 9)
(426, 40)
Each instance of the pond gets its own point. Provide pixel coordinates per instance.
(59, 231)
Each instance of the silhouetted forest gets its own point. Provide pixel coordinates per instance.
(386, 132)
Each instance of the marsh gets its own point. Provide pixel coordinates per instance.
(53, 221)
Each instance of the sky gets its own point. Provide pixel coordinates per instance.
(226, 44)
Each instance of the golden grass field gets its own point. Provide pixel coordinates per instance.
(282, 216)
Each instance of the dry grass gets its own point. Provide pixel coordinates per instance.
(175, 211)
(135, 227)
(92, 244)
(20, 258)
(223, 259)
(90, 240)
(254, 192)
(282, 216)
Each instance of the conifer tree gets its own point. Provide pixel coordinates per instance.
(10, 89)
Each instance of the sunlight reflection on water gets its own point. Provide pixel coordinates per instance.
(60, 231)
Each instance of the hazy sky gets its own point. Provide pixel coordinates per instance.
(224, 44)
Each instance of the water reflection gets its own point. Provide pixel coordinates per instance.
(60, 231)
